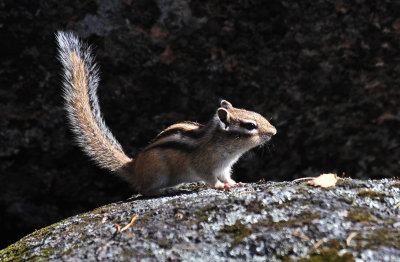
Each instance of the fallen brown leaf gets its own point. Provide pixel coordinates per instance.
(324, 180)
(179, 215)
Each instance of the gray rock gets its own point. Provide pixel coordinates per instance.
(258, 222)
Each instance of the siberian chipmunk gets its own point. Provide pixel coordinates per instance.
(184, 152)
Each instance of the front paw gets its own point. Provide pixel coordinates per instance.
(232, 183)
(221, 186)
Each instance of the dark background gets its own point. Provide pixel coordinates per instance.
(326, 72)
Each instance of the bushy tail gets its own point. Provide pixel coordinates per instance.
(80, 83)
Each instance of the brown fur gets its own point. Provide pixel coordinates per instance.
(209, 159)
(265, 128)
(109, 155)
(184, 152)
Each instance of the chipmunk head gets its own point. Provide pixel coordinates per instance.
(248, 128)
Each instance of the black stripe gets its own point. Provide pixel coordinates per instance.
(192, 133)
(176, 145)
(195, 133)
(170, 132)
(180, 145)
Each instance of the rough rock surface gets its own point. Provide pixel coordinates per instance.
(326, 71)
(353, 221)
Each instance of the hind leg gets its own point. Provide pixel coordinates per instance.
(151, 173)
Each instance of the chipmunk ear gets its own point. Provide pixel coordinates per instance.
(226, 104)
(223, 116)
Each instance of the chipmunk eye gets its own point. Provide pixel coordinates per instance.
(249, 126)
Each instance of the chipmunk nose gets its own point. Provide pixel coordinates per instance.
(271, 131)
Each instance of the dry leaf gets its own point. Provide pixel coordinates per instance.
(179, 215)
(324, 180)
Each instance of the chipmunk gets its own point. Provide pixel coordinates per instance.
(184, 152)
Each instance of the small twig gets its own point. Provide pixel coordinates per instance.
(106, 246)
(303, 178)
(317, 245)
(300, 236)
(127, 226)
(350, 237)
(396, 206)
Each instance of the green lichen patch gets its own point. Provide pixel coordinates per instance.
(20, 250)
(129, 253)
(333, 243)
(255, 206)
(15, 252)
(238, 232)
(44, 232)
(144, 217)
(361, 215)
(101, 210)
(349, 183)
(286, 203)
(203, 214)
(328, 255)
(302, 189)
(346, 200)
(264, 223)
(394, 185)
(165, 244)
(47, 252)
(379, 237)
(309, 201)
(303, 218)
(373, 194)
(66, 252)
(284, 258)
